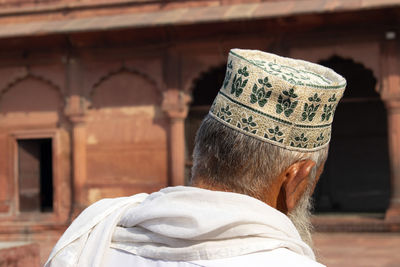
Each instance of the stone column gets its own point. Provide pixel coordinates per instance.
(390, 94)
(175, 105)
(393, 111)
(75, 111)
(79, 162)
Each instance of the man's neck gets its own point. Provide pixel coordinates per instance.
(215, 187)
(265, 196)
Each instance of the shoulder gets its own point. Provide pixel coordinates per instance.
(278, 257)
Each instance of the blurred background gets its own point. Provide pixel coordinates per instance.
(103, 99)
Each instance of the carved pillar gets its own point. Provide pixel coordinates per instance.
(79, 162)
(75, 111)
(391, 96)
(175, 105)
(393, 111)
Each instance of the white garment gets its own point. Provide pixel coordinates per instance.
(277, 257)
(177, 224)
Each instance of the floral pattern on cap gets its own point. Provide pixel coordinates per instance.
(283, 101)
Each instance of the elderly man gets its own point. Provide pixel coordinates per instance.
(258, 156)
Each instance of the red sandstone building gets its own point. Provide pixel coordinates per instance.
(102, 99)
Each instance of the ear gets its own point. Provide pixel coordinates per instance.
(295, 182)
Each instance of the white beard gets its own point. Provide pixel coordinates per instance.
(301, 218)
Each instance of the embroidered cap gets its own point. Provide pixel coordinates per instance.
(287, 102)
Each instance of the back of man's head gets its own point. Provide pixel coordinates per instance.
(229, 159)
(267, 133)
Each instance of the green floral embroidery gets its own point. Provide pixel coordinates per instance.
(290, 74)
(258, 62)
(332, 98)
(275, 133)
(300, 140)
(329, 109)
(238, 84)
(314, 98)
(275, 67)
(247, 125)
(259, 95)
(286, 105)
(320, 140)
(224, 113)
(228, 74)
(310, 109)
(287, 73)
(290, 77)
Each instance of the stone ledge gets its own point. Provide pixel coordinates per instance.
(354, 223)
(12, 227)
(190, 16)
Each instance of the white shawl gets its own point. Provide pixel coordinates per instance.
(178, 224)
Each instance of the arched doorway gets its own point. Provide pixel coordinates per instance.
(204, 91)
(126, 136)
(356, 175)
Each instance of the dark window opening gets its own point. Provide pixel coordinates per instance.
(356, 176)
(35, 175)
(205, 89)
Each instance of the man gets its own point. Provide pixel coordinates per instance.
(258, 156)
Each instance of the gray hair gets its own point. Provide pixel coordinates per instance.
(237, 162)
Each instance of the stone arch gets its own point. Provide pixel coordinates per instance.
(206, 86)
(125, 72)
(356, 176)
(359, 70)
(196, 74)
(19, 79)
(34, 102)
(125, 117)
(365, 53)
